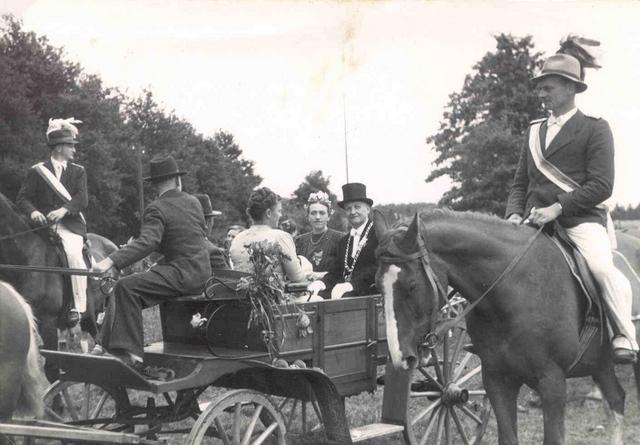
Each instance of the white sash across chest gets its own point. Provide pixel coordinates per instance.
(55, 184)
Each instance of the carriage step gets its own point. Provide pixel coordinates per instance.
(374, 430)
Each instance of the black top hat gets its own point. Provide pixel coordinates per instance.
(205, 202)
(354, 191)
(163, 168)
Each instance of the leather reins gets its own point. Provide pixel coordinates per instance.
(432, 338)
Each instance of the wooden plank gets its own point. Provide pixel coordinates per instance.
(373, 430)
(74, 434)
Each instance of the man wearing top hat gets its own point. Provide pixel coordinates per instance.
(565, 172)
(174, 226)
(354, 271)
(217, 256)
(55, 191)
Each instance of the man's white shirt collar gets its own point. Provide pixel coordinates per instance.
(358, 231)
(58, 164)
(562, 119)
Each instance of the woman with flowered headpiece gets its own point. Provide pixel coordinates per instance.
(320, 246)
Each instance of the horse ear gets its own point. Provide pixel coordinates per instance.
(379, 223)
(411, 234)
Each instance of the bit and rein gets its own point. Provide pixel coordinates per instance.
(431, 339)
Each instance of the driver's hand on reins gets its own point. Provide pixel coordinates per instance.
(38, 217)
(103, 266)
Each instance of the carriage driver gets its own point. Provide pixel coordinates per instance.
(174, 226)
(565, 172)
(55, 191)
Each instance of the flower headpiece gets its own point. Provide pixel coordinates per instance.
(319, 197)
(64, 124)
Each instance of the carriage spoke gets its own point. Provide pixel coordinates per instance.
(447, 427)
(456, 350)
(222, 432)
(432, 421)
(461, 431)
(252, 425)
(470, 374)
(237, 422)
(86, 406)
(425, 394)
(53, 414)
(430, 378)
(292, 414)
(436, 366)
(265, 434)
(445, 359)
(441, 417)
(477, 392)
(461, 366)
(69, 403)
(96, 411)
(426, 411)
(471, 414)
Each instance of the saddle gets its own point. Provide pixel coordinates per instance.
(595, 316)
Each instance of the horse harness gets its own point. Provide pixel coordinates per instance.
(431, 339)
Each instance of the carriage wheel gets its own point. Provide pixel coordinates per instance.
(83, 403)
(447, 403)
(300, 417)
(232, 419)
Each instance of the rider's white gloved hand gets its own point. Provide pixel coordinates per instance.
(316, 286)
(340, 289)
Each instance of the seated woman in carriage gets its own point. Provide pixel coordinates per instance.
(265, 209)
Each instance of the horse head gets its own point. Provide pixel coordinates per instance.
(410, 298)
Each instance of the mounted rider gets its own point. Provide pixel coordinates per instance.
(565, 173)
(55, 191)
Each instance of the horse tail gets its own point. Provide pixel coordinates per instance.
(33, 382)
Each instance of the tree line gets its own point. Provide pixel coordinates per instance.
(117, 134)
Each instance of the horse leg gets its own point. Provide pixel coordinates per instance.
(552, 387)
(503, 394)
(49, 333)
(614, 397)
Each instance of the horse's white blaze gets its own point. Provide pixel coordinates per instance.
(388, 280)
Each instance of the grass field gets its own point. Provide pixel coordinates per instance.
(585, 424)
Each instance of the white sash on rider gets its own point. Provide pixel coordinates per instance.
(553, 174)
(55, 184)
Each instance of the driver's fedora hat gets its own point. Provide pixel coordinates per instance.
(163, 168)
(563, 65)
(354, 191)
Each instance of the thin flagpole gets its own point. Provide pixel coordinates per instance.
(140, 183)
(346, 148)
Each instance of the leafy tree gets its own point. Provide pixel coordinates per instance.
(479, 139)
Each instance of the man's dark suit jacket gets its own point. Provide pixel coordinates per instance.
(363, 277)
(582, 150)
(217, 257)
(173, 225)
(36, 194)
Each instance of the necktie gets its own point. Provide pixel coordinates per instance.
(355, 240)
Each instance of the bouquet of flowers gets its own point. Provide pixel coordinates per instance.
(265, 289)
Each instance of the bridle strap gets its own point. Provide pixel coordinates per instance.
(24, 232)
(446, 326)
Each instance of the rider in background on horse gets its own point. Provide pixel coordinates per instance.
(217, 257)
(174, 226)
(353, 272)
(565, 173)
(55, 191)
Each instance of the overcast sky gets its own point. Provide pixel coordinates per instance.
(275, 74)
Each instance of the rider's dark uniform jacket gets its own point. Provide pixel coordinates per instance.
(173, 225)
(582, 150)
(363, 277)
(36, 194)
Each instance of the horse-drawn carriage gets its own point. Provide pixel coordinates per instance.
(229, 389)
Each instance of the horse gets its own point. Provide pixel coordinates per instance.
(526, 330)
(21, 245)
(22, 380)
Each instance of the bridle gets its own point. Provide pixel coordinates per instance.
(430, 339)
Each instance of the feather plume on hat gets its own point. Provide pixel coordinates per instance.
(63, 124)
(586, 50)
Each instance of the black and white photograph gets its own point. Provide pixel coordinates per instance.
(319, 222)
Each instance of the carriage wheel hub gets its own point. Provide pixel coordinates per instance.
(454, 395)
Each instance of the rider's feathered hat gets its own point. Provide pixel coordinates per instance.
(62, 131)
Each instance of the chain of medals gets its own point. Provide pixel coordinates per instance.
(348, 270)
